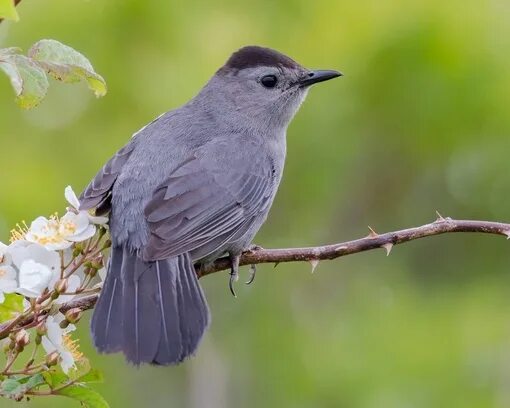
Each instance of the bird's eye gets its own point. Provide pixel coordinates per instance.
(269, 81)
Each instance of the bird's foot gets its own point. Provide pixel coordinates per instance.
(253, 248)
(253, 268)
(234, 272)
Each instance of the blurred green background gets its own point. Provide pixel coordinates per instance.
(419, 123)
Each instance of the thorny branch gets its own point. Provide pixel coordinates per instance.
(327, 252)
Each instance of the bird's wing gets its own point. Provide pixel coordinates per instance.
(208, 200)
(97, 193)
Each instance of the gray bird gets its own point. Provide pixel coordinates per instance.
(193, 185)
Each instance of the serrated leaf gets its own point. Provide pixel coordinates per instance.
(27, 78)
(86, 395)
(8, 10)
(66, 64)
(11, 307)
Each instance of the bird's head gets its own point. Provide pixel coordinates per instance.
(264, 86)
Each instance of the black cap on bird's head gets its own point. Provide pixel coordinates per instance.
(254, 56)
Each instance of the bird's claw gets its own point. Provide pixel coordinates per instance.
(253, 271)
(234, 273)
(232, 279)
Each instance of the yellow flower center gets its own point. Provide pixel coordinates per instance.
(73, 347)
(18, 233)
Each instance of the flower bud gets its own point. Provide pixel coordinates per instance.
(22, 339)
(61, 286)
(63, 324)
(52, 359)
(7, 345)
(77, 249)
(41, 328)
(97, 262)
(73, 315)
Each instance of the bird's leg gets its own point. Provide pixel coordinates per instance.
(234, 272)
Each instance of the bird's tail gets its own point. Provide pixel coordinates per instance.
(154, 312)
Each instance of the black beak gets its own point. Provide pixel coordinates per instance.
(320, 75)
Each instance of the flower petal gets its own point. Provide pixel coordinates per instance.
(84, 235)
(34, 277)
(71, 197)
(98, 220)
(8, 281)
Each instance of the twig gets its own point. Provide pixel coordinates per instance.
(327, 252)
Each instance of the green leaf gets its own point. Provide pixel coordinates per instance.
(27, 78)
(66, 64)
(11, 307)
(8, 10)
(54, 378)
(16, 388)
(81, 368)
(93, 376)
(34, 381)
(10, 387)
(86, 395)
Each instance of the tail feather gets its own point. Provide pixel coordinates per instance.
(154, 312)
(141, 321)
(191, 300)
(107, 317)
(171, 341)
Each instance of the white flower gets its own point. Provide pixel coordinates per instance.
(57, 339)
(76, 227)
(8, 275)
(38, 267)
(34, 277)
(46, 232)
(75, 203)
(8, 281)
(58, 234)
(5, 257)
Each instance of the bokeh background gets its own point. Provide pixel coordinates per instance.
(419, 123)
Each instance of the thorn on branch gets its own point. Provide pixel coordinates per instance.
(314, 263)
(388, 247)
(372, 233)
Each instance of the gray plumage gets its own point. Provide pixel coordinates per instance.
(193, 185)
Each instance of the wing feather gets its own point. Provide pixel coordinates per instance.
(97, 193)
(206, 203)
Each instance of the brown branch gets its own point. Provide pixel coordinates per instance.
(328, 252)
(16, 2)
